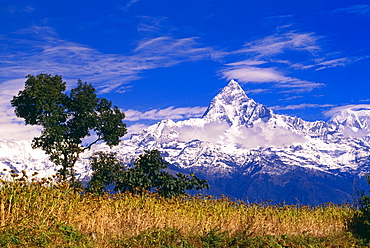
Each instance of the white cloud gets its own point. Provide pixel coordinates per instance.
(336, 110)
(132, 129)
(16, 9)
(261, 135)
(343, 115)
(302, 106)
(267, 61)
(256, 91)
(248, 62)
(13, 128)
(361, 9)
(45, 52)
(250, 74)
(279, 43)
(171, 51)
(18, 132)
(130, 3)
(338, 62)
(262, 66)
(151, 25)
(213, 132)
(330, 61)
(163, 114)
(39, 50)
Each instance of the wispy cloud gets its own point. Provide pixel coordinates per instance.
(39, 50)
(170, 51)
(279, 43)
(257, 91)
(269, 61)
(339, 62)
(328, 62)
(338, 109)
(163, 114)
(14, 9)
(253, 74)
(302, 106)
(359, 9)
(130, 4)
(264, 64)
(108, 72)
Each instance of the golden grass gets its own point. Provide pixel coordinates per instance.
(40, 206)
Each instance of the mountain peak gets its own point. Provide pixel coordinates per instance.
(235, 107)
(355, 118)
(233, 86)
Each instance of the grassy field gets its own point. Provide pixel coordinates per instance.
(36, 214)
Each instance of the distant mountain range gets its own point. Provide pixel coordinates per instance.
(245, 150)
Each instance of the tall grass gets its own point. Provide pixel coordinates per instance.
(48, 213)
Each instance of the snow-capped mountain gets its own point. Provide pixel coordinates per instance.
(235, 108)
(19, 155)
(244, 150)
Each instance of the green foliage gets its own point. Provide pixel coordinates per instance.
(148, 174)
(155, 237)
(43, 237)
(215, 238)
(106, 169)
(69, 234)
(361, 221)
(66, 120)
(169, 237)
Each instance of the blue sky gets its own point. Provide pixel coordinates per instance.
(167, 59)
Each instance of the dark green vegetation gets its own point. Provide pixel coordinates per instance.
(213, 239)
(147, 174)
(66, 120)
(361, 221)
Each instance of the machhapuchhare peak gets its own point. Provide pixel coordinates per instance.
(244, 150)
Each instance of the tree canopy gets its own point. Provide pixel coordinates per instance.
(149, 173)
(67, 119)
(106, 170)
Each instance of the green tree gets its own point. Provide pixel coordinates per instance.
(360, 223)
(67, 120)
(106, 171)
(149, 173)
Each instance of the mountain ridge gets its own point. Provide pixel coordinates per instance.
(240, 145)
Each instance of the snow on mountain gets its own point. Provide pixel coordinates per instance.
(236, 125)
(234, 107)
(244, 149)
(19, 155)
(352, 122)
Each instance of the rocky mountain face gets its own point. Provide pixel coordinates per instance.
(245, 150)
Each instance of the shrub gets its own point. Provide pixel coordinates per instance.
(148, 174)
(360, 223)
